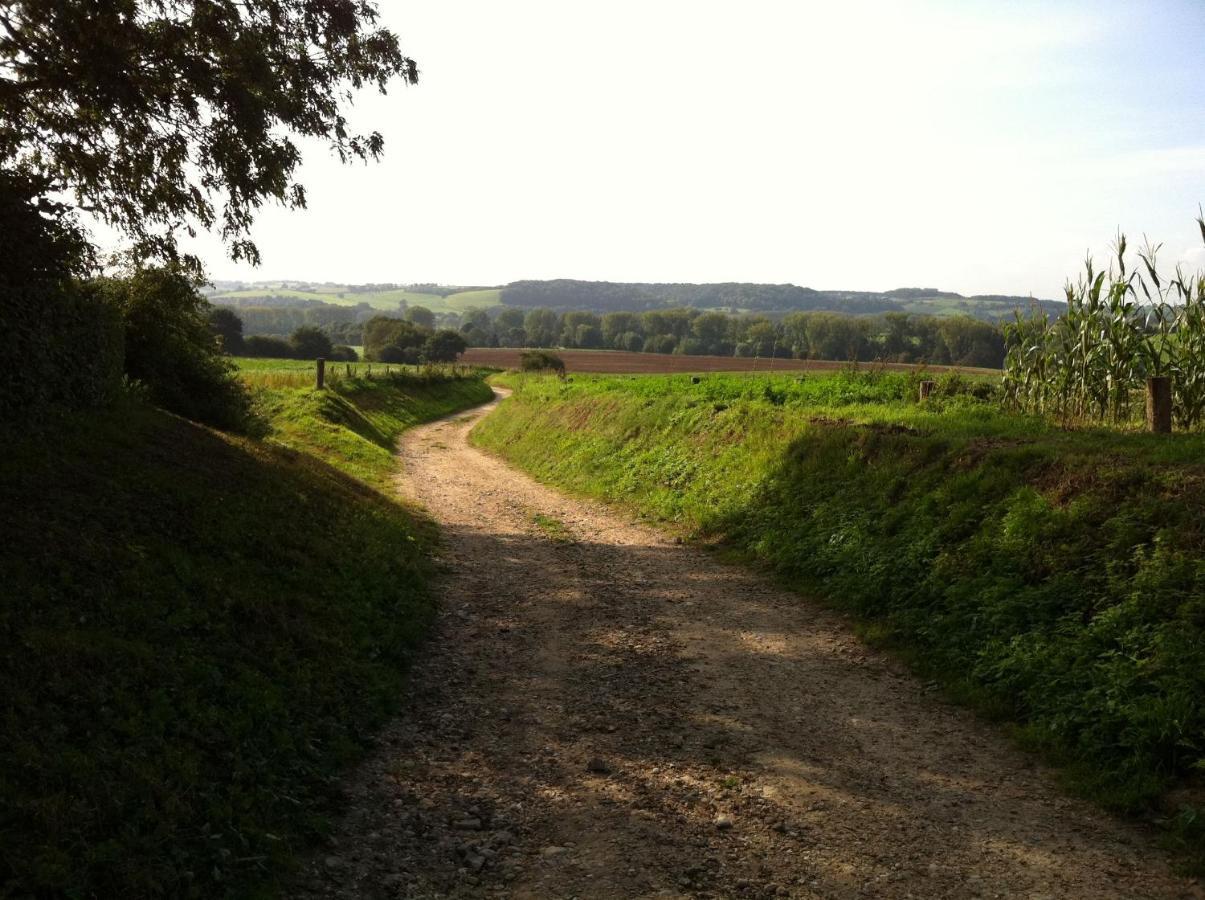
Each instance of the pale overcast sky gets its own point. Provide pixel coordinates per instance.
(973, 146)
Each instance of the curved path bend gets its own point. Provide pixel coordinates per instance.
(603, 712)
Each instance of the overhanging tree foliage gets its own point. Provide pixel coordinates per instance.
(162, 116)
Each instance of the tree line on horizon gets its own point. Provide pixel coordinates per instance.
(893, 336)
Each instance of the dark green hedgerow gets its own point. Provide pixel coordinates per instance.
(197, 632)
(1056, 579)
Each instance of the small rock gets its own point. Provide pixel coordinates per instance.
(598, 765)
(553, 851)
(475, 862)
(468, 825)
(334, 862)
(723, 822)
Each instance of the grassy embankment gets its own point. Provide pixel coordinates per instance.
(199, 632)
(1054, 579)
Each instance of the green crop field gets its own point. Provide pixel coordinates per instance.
(482, 299)
(387, 301)
(1053, 578)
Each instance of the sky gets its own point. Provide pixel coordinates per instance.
(979, 147)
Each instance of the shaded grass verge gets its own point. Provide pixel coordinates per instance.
(199, 633)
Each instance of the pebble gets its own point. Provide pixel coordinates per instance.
(723, 822)
(598, 765)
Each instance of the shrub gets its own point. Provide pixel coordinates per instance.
(632, 341)
(343, 353)
(396, 354)
(268, 347)
(444, 346)
(61, 344)
(226, 324)
(382, 332)
(171, 351)
(310, 342)
(541, 361)
(65, 346)
(660, 343)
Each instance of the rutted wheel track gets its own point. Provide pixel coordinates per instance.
(620, 716)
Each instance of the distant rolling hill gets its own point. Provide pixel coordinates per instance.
(608, 296)
(386, 298)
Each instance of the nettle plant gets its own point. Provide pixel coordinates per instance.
(1122, 325)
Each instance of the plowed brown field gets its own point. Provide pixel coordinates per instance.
(623, 362)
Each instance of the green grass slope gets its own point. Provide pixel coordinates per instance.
(355, 424)
(1055, 579)
(482, 299)
(199, 632)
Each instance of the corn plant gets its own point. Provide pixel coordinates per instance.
(1121, 326)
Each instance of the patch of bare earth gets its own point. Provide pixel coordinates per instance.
(605, 713)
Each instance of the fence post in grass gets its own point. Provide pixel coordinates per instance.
(1159, 404)
(926, 388)
(321, 373)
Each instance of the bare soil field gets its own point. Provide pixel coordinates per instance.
(604, 712)
(624, 362)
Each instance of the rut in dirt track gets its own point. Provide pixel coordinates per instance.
(616, 715)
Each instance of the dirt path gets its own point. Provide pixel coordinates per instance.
(605, 713)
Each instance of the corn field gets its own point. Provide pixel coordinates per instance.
(1122, 325)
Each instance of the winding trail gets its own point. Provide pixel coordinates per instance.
(605, 713)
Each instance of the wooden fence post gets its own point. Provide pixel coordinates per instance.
(321, 373)
(1159, 404)
(926, 388)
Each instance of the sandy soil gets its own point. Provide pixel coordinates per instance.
(606, 713)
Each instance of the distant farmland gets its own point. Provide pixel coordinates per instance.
(624, 362)
(386, 301)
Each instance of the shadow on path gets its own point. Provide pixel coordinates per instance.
(616, 715)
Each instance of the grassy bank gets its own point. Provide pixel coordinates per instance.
(1055, 579)
(355, 424)
(199, 632)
